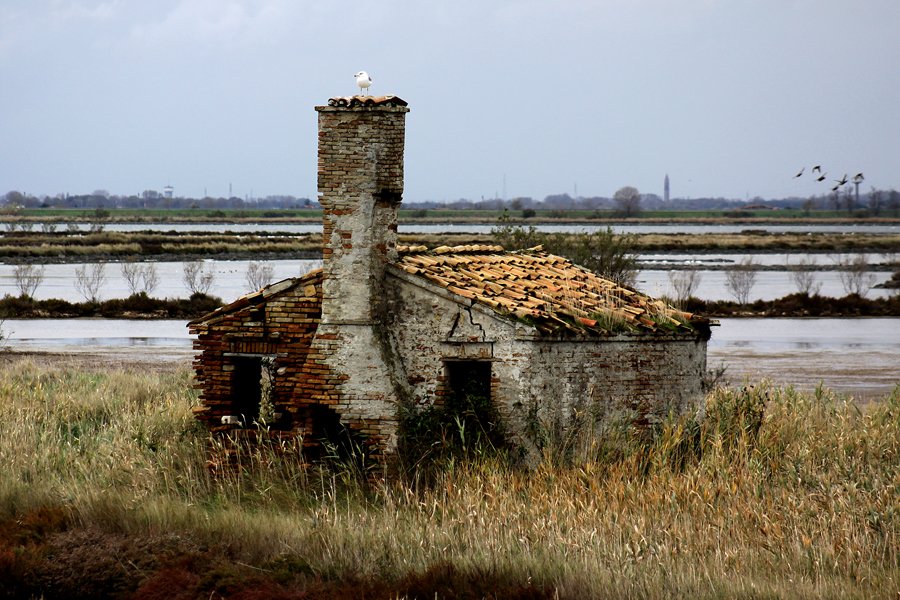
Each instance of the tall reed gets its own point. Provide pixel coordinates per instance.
(771, 493)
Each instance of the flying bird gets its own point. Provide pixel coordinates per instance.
(800, 173)
(859, 177)
(817, 168)
(363, 81)
(822, 178)
(842, 181)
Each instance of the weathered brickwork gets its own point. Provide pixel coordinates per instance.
(374, 330)
(637, 376)
(277, 324)
(360, 182)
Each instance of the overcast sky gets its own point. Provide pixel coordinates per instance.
(731, 98)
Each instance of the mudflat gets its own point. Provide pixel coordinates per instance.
(104, 358)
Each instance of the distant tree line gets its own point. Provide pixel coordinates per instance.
(154, 199)
(627, 203)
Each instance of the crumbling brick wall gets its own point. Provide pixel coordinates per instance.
(279, 326)
(360, 181)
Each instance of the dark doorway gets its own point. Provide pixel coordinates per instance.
(247, 388)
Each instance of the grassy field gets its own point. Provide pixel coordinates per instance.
(107, 490)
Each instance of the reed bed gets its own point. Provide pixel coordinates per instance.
(772, 493)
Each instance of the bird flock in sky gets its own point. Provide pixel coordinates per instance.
(818, 169)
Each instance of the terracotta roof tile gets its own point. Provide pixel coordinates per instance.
(542, 289)
(353, 101)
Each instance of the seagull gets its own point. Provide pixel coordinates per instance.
(363, 81)
(800, 173)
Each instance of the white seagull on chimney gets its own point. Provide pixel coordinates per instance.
(363, 81)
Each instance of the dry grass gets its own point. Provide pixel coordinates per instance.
(774, 494)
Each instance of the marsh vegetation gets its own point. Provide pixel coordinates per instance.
(109, 488)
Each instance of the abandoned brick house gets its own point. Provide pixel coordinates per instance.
(381, 326)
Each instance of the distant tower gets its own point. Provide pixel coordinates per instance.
(666, 190)
(168, 191)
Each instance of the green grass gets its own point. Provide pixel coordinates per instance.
(774, 494)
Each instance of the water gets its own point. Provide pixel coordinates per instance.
(31, 334)
(230, 279)
(860, 357)
(857, 357)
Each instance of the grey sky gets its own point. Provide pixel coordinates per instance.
(729, 97)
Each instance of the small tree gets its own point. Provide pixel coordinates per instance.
(804, 277)
(311, 266)
(849, 200)
(628, 201)
(835, 199)
(89, 279)
(150, 278)
(684, 282)
(893, 202)
(514, 236)
(131, 272)
(808, 206)
(855, 275)
(259, 275)
(604, 252)
(195, 278)
(876, 201)
(140, 278)
(28, 278)
(739, 280)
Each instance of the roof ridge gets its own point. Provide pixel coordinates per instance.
(354, 101)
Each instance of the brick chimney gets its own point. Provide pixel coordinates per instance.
(360, 187)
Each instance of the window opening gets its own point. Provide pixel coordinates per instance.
(470, 402)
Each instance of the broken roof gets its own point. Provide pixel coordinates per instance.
(546, 291)
(259, 298)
